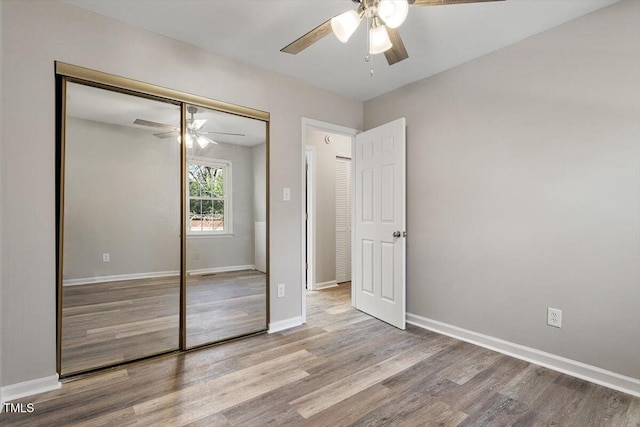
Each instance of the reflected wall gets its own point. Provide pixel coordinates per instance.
(121, 241)
(226, 226)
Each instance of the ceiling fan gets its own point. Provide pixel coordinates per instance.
(194, 130)
(383, 18)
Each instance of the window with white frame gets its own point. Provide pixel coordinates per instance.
(209, 197)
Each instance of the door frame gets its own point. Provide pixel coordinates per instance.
(308, 124)
(309, 260)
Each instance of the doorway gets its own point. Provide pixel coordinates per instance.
(378, 218)
(325, 208)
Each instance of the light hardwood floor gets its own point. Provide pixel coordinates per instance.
(342, 368)
(225, 305)
(109, 323)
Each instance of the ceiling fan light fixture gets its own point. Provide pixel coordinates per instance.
(379, 41)
(189, 141)
(345, 24)
(393, 12)
(202, 141)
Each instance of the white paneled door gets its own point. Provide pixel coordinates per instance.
(379, 262)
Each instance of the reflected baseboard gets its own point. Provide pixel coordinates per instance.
(153, 275)
(119, 278)
(204, 271)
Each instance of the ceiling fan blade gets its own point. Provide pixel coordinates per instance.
(154, 124)
(443, 2)
(211, 141)
(197, 124)
(166, 134)
(220, 133)
(308, 39)
(397, 52)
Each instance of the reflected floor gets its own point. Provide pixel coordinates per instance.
(225, 305)
(110, 323)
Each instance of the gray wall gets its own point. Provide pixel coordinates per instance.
(259, 155)
(259, 159)
(523, 172)
(35, 33)
(122, 197)
(325, 179)
(237, 249)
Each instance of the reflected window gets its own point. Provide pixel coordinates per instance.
(209, 201)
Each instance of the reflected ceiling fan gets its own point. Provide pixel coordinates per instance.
(194, 130)
(383, 17)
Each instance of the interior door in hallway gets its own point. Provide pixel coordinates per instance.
(379, 264)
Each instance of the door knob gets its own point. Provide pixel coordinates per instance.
(396, 234)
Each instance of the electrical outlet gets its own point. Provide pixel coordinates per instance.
(554, 317)
(286, 194)
(105, 258)
(280, 290)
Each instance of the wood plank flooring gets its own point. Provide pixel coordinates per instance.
(109, 323)
(225, 305)
(341, 368)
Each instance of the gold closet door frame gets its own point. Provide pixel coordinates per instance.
(72, 73)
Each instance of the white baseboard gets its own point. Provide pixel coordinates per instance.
(342, 279)
(203, 271)
(152, 275)
(285, 324)
(119, 277)
(325, 285)
(29, 388)
(574, 368)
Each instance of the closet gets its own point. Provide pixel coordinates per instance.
(163, 220)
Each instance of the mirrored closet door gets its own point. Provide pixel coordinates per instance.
(226, 286)
(163, 220)
(121, 235)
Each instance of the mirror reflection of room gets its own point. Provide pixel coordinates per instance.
(226, 226)
(121, 240)
(122, 232)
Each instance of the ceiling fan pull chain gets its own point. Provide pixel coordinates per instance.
(367, 56)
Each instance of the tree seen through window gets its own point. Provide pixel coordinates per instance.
(207, 197)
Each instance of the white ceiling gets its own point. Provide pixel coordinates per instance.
(253, 31)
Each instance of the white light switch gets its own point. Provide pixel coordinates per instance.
(286, 194)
